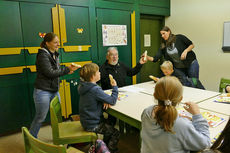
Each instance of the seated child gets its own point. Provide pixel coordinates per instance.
(227, 89)
(92, 98)
(164, 131)
(167, 69)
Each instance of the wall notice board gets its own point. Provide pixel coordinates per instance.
(226, 39)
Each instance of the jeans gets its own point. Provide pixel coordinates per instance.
(192, 71)
(42, 101)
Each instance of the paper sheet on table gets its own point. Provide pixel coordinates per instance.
(132, 89)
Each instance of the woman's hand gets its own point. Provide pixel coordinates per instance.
(73, 68)
(183, 55)
(192, 108)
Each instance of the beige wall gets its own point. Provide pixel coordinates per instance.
(202, 22)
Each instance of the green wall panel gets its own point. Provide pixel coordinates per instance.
(10, 25)
(76, 17)
(35, 18)
(15, 108)
(12, 60)
(119, 18)
(113, 5)
(158, 3)
(121, 1)
(154, 10)
(74, 2)
(11, 33)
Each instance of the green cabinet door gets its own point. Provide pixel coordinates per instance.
(115, 17)
(77, 34)
(36, 18)
(14, 101)
(11, 35)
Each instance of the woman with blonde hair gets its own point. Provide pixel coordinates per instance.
(164, 131)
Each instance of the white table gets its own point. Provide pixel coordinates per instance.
(216, 130)
(210, 105)
(189, 94)
(129, 109)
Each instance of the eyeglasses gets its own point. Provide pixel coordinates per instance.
(113, 55)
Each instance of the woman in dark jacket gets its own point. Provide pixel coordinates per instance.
(178, 50)
(47, 81)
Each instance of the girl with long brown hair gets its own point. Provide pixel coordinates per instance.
(164, 131)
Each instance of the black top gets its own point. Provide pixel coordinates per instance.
(119, 73)
(181, 43)
(48, 70)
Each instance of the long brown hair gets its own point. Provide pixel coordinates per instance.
(169, 89)
(171, 39)
(48, 38)
(223, 141)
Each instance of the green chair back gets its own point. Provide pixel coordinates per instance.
(33, 145)
(55, 116)
(223, 83)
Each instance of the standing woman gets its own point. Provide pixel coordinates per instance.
(47, 81)
(177, 49)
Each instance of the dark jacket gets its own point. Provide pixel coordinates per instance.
(48, 71)
(181, 44)
(92, 98)
(119, 73)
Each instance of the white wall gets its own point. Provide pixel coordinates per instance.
(202, 22)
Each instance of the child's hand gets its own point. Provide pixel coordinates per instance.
(228, 89)
(106, 106)
(112, 80)
(192, 108)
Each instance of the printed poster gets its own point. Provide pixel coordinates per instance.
(114, 35)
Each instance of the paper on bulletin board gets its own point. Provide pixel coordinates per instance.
(147, 40)
(114, 35)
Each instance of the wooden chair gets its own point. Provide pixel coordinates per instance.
(33, 145)
(223, 83)
(67, 132)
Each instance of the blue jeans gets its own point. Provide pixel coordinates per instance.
(192, 71)
(42, 101)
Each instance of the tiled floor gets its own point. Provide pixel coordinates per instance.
(129, 143)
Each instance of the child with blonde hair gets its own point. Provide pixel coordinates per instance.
(91, 103)
(164, 131)
(168, 70)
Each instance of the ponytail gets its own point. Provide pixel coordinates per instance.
(165, 116)
(168, 92)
